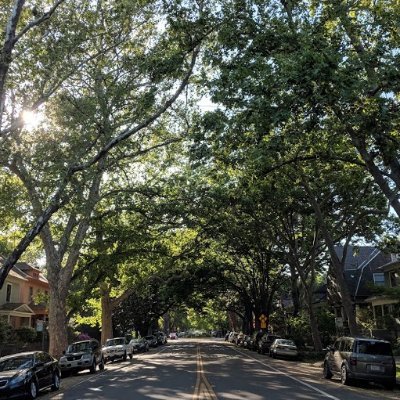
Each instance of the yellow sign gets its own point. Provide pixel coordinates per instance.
(263, 321)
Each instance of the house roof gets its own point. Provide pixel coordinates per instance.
(358, 257)
(39, 308)
(360, 265)
(21, 307)
(23, 271)
(391, 266)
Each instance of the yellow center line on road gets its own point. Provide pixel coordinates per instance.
(203, 389)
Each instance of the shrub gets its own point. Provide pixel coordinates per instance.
(6, 332)
(26, 334)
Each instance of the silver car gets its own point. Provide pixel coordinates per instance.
(85, 354)
(283, 348)
(358, 358)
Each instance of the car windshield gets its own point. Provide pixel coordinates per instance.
(149, 337)
(374, 348)
(78, 347)
(287, 342)
(118, 341)
(110, 342)
(16, 363)
(135, 341)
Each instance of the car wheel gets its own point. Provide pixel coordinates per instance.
(273, 354)
(93, 366)
(131, 356)
(344, 377)
(55, 382)
(101, 365)
(390, 385)
(327, 371)
(65, 374)
(124, 357)
(32, 390)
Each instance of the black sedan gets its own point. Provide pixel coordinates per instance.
(139, 345)
(24, 374)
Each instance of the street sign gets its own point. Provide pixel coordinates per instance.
(263, 321)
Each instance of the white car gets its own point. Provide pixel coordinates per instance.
(283, 348)
(117, 347)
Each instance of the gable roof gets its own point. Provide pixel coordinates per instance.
(358, 257)
(22, 270)
(20, 307)
(360, 266)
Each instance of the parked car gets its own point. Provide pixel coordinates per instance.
(283, 348)
(173, 335)
(153, 342)
(239, 339)
(253, 342)
(358, 358)
(25, 374)
(161, 338)
(85, 354)
(246, 341)
(265, 342)
(232, 337)
(139, 345)
(115, 348)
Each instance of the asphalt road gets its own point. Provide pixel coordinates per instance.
(210, 370)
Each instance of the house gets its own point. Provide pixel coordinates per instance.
(386, 309)
(363, 272)
(20, 303)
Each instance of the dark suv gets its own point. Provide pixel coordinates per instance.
(358, 358)
(264, 343)
(85, 354)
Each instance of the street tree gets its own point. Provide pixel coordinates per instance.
(280, 108)
(137, 70)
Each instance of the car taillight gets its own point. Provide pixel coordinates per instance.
(353, 361)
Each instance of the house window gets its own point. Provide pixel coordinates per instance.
(379, 279)
(8, 293)
(30, 293)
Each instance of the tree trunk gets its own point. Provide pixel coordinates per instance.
(166, 321)
(58, 335)
(347, 303)
(337, 266)
(294, 290)
(313, 323)
(106, 314)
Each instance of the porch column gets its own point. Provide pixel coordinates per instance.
(373, 312)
